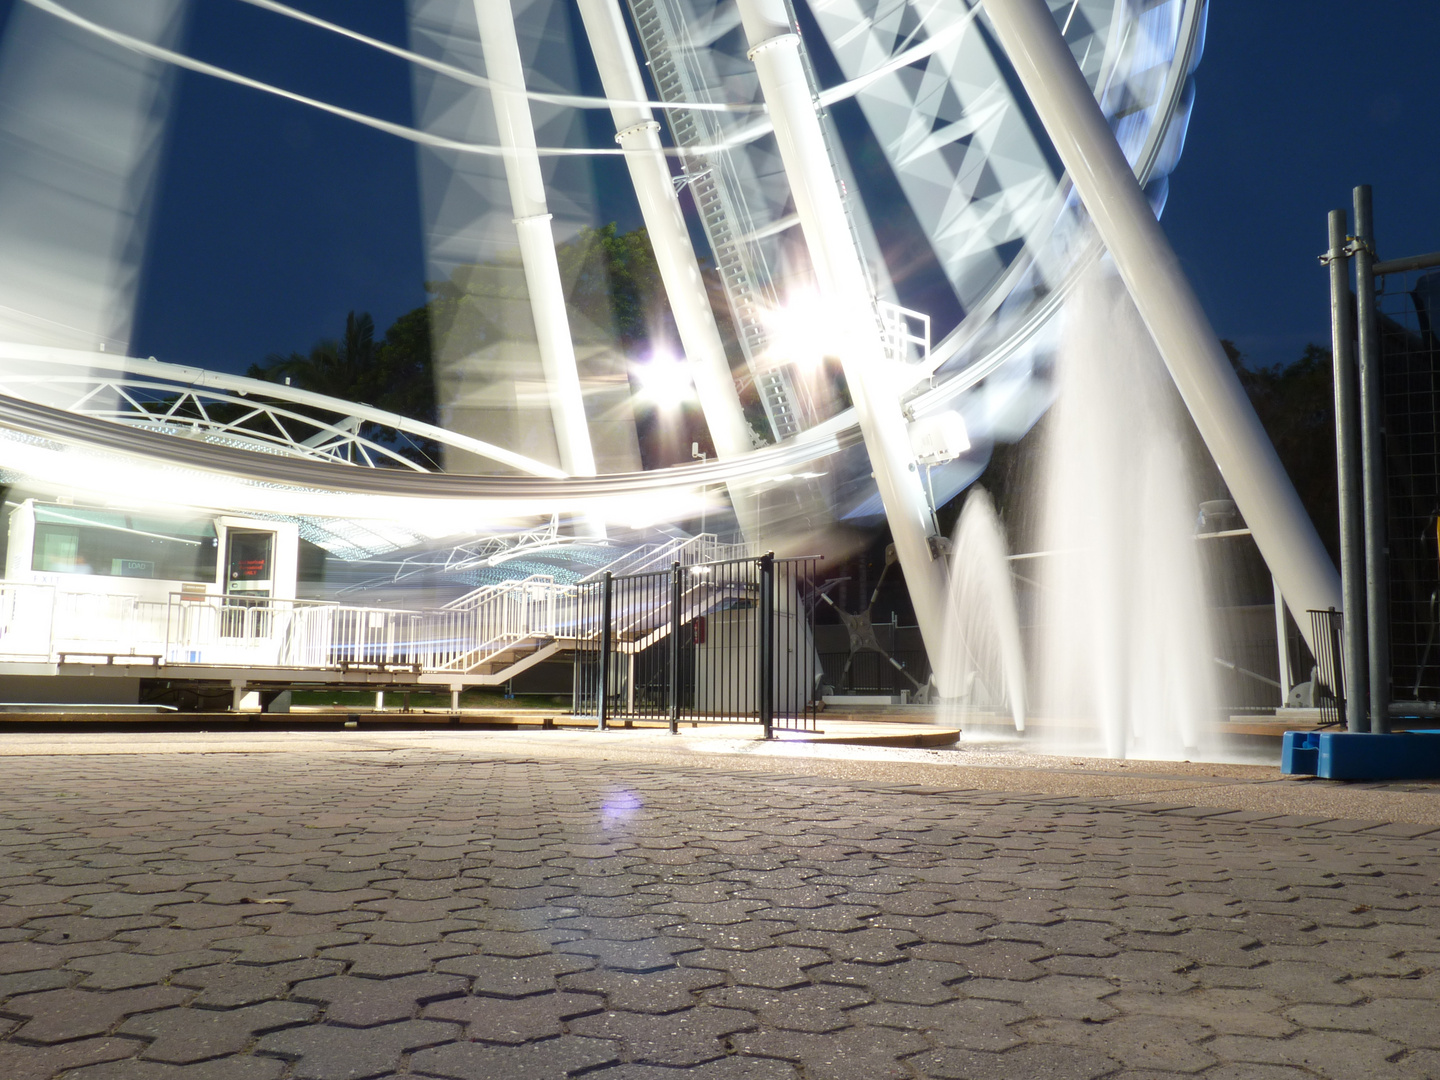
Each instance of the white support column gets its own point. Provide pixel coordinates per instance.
(537, 238)
(639, 134)
(1162, 294)
(845, 293)
(1282, 644)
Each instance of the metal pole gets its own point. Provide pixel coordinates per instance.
(604, 688)
(1166, 302)
(503, 65)
(1347, 459)
(850, 306)
(1372, 432)
(675, 601)
(1282, 644)
(766, 644)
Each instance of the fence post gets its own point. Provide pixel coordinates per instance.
(766, 643)
(1348, 469)
(675, 601)
(1372, 467)
(604, 686)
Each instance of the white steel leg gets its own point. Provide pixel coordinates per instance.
(639, 134)
(537, 238)
(849, 304)
(1147, 264)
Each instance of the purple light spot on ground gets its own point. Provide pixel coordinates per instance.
(618, 806)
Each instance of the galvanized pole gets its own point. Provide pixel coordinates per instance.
(766, 644)
(604, 682)
(1347, 460)
(675, 601)
(1372, 430)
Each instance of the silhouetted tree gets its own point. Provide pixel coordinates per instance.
(395, 374)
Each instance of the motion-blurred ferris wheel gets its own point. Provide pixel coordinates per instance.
(955, 207)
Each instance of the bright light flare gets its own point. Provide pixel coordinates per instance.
(801, 332)
(665, 382)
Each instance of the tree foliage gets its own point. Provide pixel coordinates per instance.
(395, 374)
(1296, 406)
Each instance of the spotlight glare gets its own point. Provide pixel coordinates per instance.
(665, 381)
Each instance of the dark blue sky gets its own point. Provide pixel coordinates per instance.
(272, 220)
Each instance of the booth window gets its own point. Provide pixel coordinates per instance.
(76, 540)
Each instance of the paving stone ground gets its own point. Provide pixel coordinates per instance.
(338, 917)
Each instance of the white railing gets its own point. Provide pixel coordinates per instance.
(240, 631)
(107, 624)
(51, 623)
(27, 618)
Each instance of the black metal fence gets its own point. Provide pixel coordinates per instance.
(722, 642)
(1408, 304)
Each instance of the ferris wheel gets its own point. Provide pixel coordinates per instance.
(862, 222)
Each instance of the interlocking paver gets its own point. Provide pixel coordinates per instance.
(366, 1002)
(231, 1068)
(1147, 1042)
(224, 986)
(545, 1060)
(684, 1038)
(521, 1020)
(658, 992)
(807, 1008)
(19, 1062)
(851, 1054)
(1335, 1054)
(1022, 1063)
(968, 1024)
(912, 982)
(503, 976)
(327, 1052)
(182, 1036)
(59, 1015)
(729, 1068)
(776, 967)
(118, 971)
(495, 918)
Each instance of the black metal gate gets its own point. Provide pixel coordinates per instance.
(722, 642)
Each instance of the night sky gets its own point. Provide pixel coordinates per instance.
(273, 220)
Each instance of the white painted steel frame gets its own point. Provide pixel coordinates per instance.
(639, 134)
(1168, 305)
(504, 67)
(846, 291)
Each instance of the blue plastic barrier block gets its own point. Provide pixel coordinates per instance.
(1409, 755)
(1299, 753)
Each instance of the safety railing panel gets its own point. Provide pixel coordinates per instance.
(27, 615)
(107, 624)
(246, 631)
(721, 642)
